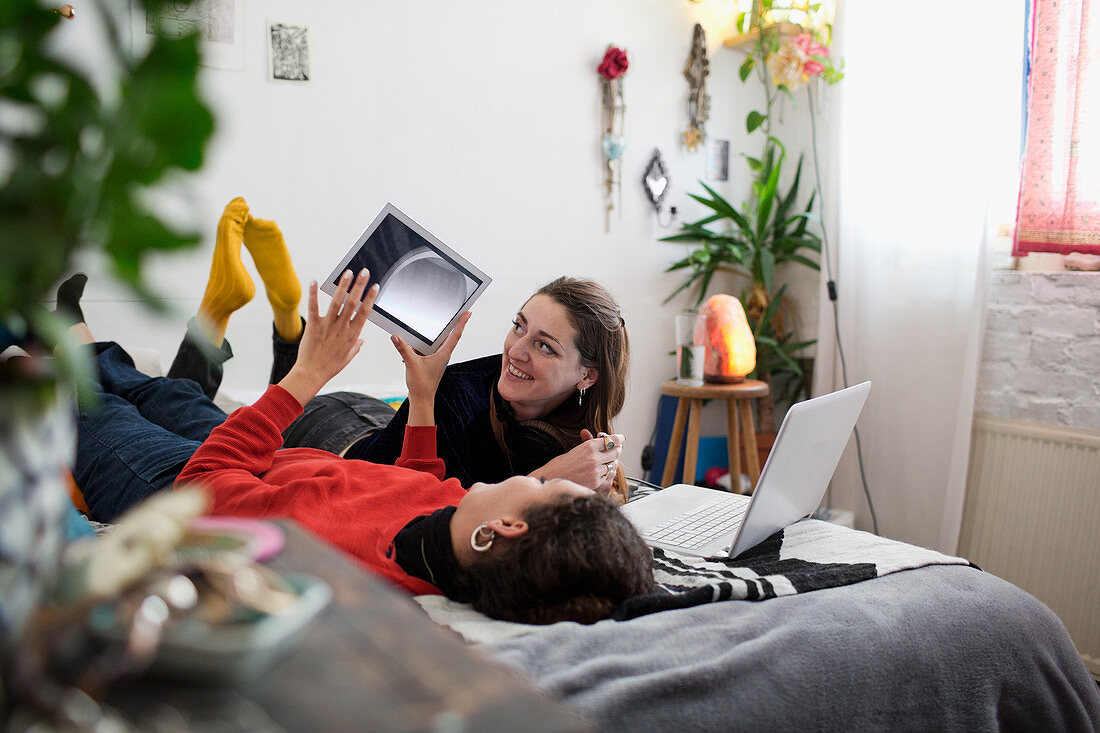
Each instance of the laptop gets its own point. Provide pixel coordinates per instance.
(694, 520)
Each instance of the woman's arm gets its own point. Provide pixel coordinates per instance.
(464, 435)
(241, 449)
(237, 452)
(423, 372)
(422, 375)
(418, 451)
(329, 342)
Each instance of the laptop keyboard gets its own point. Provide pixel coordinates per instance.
(702, 525)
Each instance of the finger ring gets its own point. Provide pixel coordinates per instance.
(606, 470)
(608, 443)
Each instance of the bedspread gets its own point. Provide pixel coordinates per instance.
(806, 556)
(936, 648)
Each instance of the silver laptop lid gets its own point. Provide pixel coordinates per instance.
(802, 461)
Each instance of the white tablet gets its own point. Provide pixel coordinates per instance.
(423, 285)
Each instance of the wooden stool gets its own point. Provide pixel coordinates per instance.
(737, 397)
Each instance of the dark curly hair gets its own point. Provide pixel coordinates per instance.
(579, 559)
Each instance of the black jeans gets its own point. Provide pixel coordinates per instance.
(330, 422)
(204, 363)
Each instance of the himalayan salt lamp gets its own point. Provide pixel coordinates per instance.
(731, 349)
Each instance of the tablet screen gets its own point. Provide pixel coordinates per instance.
(423, 284)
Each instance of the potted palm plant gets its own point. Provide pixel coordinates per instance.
(767, 231)
(80, 151)
(770, 227)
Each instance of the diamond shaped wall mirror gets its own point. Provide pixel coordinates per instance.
(656, 180)
(656, 183)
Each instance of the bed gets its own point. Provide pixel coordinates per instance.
(818, 628)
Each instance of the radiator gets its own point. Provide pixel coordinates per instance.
(1032, 517)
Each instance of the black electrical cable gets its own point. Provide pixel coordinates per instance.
(649, 448)
(831, 285)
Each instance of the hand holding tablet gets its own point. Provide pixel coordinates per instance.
(424, 285)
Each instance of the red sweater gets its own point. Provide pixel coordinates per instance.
(355, 505)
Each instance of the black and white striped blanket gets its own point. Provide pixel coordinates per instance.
(808, 555)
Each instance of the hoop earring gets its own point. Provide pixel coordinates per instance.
(580, 396)
(474, 538)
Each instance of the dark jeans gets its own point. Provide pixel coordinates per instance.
(330, 422)
(196, 359)
(137, 440)
(145, 429)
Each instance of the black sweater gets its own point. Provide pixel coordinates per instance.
(464, 432)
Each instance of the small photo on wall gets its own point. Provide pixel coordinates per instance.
(288, 52)
(718, 160)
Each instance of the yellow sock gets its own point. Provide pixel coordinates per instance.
(272, 259)
(230, 285)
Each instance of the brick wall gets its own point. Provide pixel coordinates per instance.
(1041, 353)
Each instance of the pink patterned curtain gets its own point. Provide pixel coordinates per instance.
(1059, 205)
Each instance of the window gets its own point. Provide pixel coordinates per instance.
(1059, 202)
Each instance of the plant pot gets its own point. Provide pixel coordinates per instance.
(37, 445)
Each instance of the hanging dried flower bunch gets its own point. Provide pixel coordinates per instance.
(696, 71)
(612, 142)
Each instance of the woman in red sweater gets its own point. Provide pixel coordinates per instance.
(522, 550)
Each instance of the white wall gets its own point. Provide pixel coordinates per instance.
(479, 119)
(482, 121)
(1041, 348)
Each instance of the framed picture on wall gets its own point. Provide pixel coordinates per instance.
(288, 52)
(219, 23)
(718, 160)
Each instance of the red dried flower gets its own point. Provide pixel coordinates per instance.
(614, 63)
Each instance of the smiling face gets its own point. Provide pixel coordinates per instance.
(541, 365)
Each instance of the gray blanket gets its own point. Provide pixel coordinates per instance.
(935, 648)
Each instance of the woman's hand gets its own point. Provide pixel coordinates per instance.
(592, 463)
(329, 342)
(423, 372)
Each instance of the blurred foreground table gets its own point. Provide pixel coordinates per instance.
(371, 661)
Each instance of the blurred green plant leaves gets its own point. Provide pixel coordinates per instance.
(77, 159)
